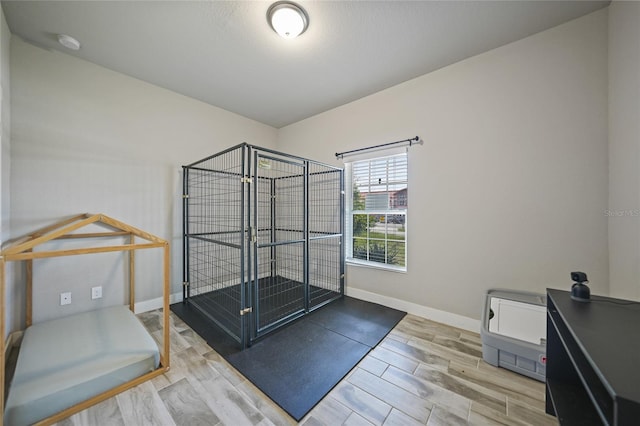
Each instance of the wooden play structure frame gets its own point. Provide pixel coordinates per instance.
(22, 249)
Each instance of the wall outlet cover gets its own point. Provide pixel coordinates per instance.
(96, 292)
(65, 298)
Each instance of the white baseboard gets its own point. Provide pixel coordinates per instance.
(150, 305)
(437, 315)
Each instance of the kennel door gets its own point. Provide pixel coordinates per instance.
(279, 290)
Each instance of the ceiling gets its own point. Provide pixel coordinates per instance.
(225, 54)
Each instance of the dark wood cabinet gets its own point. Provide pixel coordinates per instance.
(593, 360)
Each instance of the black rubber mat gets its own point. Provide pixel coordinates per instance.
(362, 321)
(299, 364)
(215, 337)
(278, 298)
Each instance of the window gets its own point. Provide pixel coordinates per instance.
(376, 211)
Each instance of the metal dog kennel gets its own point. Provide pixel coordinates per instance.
(263, 235)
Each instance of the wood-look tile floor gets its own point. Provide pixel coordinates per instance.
(421, 373)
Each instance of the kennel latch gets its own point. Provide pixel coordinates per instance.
(246, 311)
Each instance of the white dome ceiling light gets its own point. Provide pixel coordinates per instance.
(287, 19)
(68, 42)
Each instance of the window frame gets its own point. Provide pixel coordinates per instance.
(388, 211)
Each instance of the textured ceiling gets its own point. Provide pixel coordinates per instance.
(225, 53)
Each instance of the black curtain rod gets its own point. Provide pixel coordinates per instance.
(411, 142)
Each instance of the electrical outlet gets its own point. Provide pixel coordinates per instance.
(96, 292)
(65, 298)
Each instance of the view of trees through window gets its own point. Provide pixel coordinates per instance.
(378, 210)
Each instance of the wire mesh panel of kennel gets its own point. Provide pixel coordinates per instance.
(279, 216)
(262, 238)
(326, 224)
(214, 205)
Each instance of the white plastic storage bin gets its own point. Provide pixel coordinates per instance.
(514, 330)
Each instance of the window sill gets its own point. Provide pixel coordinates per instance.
(371, 265)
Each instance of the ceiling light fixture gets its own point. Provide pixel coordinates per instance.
(68, 42)
(287, 19)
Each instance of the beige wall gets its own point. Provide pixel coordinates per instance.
(510, 190)
(510, 186)
(87, 139)
(5, 156)
(624, 149)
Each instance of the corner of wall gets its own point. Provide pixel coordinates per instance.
(623, 212)
(5, 153)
